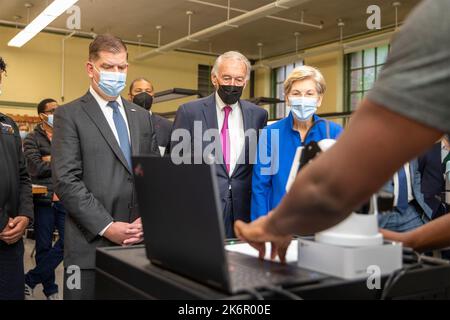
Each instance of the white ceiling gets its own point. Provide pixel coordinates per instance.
(128, 18)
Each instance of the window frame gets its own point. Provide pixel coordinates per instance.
(201, 68)
(377, 65)
(275, 83)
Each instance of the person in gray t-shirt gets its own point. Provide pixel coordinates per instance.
(405, 113)
(415, 81)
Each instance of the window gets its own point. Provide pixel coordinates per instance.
(279, 76)
(361, 70)
(205, 87)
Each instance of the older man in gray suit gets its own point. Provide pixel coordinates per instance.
(231, 119)
(93, 141)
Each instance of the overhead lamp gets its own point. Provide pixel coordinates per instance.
(172, 94)
(50, 13)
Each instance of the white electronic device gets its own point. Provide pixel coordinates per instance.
(352, 249)
(324, 144)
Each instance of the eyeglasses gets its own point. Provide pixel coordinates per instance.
(228, 80)
(51, 111)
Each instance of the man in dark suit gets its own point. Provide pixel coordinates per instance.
(410, 209)
(93, 140)
(432, 170)
(142, 93)
(229, 120)
(16, 207)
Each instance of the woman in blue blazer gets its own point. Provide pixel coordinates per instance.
(303, 89)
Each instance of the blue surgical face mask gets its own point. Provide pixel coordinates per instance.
(303, 108)
(111, 83)
(23, 134)
(50, 120)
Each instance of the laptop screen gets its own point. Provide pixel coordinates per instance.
(179, 206)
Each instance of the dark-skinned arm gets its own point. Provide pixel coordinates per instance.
(431, 236)
(375, 144)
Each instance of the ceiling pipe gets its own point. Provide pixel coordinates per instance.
(245, 18)
(303, 23)
(49, 29)
(159, 29)
(296, 35)
(63, 63)
(92, 35)
(215, 5)
(347, 47)
(396, 4)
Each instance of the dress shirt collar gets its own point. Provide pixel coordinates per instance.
(102, 102)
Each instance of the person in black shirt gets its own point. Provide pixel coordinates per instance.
(49, 213)
(16, 207)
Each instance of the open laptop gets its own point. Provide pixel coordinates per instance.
(184, 232)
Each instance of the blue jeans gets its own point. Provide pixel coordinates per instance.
(11, 271)
(395, 220)
(47, 218)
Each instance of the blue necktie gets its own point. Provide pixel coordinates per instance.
(122, 131)
(402, 200)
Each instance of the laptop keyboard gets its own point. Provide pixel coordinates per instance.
(249, 272)
(242, 276)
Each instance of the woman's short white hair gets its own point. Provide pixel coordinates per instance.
(232, 55)
(303, 73)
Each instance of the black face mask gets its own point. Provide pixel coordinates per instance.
(230, 94)
(144, 100)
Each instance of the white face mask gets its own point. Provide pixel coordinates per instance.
(50, 120)
(111, 83)
(303, 108)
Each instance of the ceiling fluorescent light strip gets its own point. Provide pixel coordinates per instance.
(50, 13)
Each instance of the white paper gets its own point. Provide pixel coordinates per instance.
(245, 248)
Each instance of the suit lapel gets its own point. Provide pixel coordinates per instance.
(92, 109)
(412, 170)
(246, 115)
(210, 115)
(132, 124)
